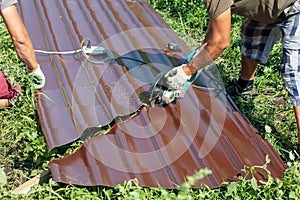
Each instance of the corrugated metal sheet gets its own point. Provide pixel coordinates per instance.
(159, 145)
(76, 88)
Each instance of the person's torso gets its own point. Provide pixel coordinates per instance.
(266, 11)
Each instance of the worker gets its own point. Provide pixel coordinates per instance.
(265, 22)
(22, 43)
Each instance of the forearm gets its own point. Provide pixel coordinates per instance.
(205, 55)
(216, 41)
(25, 52)
(20, 37)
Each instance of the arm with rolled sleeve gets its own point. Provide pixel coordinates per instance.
(22, 42)
(216, 41)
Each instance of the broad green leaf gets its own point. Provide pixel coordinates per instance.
(3, 178)
(293, 195)
(232, 188)
(268, 129)
(254, 184)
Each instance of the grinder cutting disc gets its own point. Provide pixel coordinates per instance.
(153, 96)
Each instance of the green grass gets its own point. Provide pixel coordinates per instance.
(23, 152)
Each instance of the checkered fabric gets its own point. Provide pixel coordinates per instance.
(258, 40)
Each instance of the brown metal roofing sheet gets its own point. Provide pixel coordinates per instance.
(160, 145)
(75, 88)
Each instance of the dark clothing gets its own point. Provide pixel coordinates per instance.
(264, 11)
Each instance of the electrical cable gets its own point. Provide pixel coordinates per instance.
(67, 52)
(85, 46)
(58, 52)
(129, 58)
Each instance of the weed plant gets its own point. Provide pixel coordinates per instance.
(23, 152)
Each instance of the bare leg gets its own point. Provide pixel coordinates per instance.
(3, 102)
(20, 37)
(248, 68)
(297, 114)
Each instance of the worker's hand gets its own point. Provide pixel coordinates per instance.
(176, 77)
(38, 78)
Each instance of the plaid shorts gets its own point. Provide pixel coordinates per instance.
(258, 40)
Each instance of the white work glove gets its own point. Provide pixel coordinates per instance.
(38, 78)
(176, 77)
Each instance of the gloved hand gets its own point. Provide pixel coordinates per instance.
(38, 78)
(176, 77)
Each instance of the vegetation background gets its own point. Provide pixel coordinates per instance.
(23, 151)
